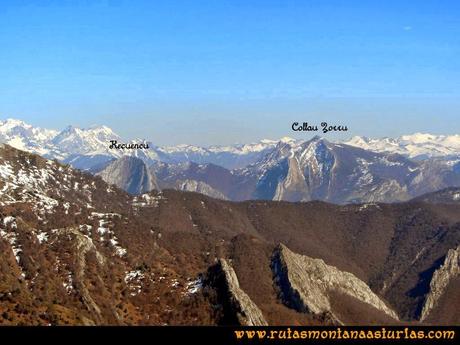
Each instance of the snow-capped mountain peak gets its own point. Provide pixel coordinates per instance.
(25, 137)
(102, 131)
(94, 140)
(11, 127)
(8, 124)
(287, 140)
(420, 138)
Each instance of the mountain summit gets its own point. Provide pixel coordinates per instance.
(130, 174)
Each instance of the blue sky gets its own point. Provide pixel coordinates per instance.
(218, 72)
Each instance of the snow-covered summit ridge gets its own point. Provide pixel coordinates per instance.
(417, 145)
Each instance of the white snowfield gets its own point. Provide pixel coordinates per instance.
(412, 146)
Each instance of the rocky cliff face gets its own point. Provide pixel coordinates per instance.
(130, 174)
(307, 284)
(449, 270)
(234, 299)
(199, 187)
(293, 187)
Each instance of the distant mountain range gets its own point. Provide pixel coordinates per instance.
(357, 170)
(416, 146)
(73, 142)
(320, 170)
(86, 148)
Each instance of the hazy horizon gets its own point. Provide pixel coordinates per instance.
(333, 137)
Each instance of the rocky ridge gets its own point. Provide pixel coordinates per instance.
(449, 270)
(246, 311)
(199, 187)
(306, 284)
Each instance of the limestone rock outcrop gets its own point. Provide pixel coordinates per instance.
(130, 174)
(306, 284)
(449, 270)
(236, 300)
